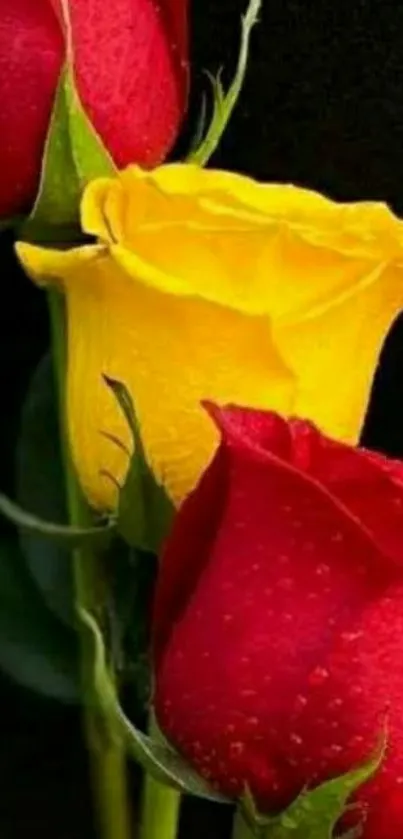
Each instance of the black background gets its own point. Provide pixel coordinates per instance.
(322, 107)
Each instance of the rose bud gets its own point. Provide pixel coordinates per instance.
(279, 617)
(130, 67)
(207, 284)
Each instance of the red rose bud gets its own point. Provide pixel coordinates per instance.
(131, 74)
(278, 635)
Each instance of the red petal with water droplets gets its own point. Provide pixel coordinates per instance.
(31, 54)
(281, 653)
(132, 72)
(130, 64)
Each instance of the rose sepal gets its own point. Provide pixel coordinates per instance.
(145, 511)
(74, 154)
(158, 759)
(315, 812)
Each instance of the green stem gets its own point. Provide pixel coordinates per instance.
(241, 829)
(160, 807)
(106, 753)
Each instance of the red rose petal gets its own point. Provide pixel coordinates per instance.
(368, 484)
(180, 568)
(175, 13)
(131, 68)
(246, 664)
(128, 76)
(31, 54)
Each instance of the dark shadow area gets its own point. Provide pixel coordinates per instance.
(322, 107)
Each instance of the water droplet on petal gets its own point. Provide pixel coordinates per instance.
(349, 637)
(286, 583)
(237, 748)
(335, 703)
(300, 702)
(286, 508)
(248, 693)
(322, 570)
(318, 676)
(356, 690)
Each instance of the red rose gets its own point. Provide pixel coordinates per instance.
(131, 74)
(278, 633)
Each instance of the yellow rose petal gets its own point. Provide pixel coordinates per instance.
(206, 284)
(170, 353)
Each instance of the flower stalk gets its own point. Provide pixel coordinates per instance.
(107, 757)
(160, 808)
(241, 830)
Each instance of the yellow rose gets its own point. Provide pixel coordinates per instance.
(208, 284)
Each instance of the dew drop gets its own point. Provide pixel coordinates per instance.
(197, 747)
(286, 583)
(356, 690)
(286, 508)
(357, 740)
(318, 676)
(237, 748)
(300, 702)
(309, 546)
(349, 637)
(335, 703)
(322, 570)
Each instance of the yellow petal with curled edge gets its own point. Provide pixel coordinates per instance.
(170, 351)
(206, 284)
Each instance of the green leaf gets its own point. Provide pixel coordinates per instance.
(36, 650)
(315, 813)
(129, 575)
(65, 535)
(10, 223)
(224, 103)
(145, 511)
(130, 578)
(161, 761)
(40, 487)
(74, 155)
